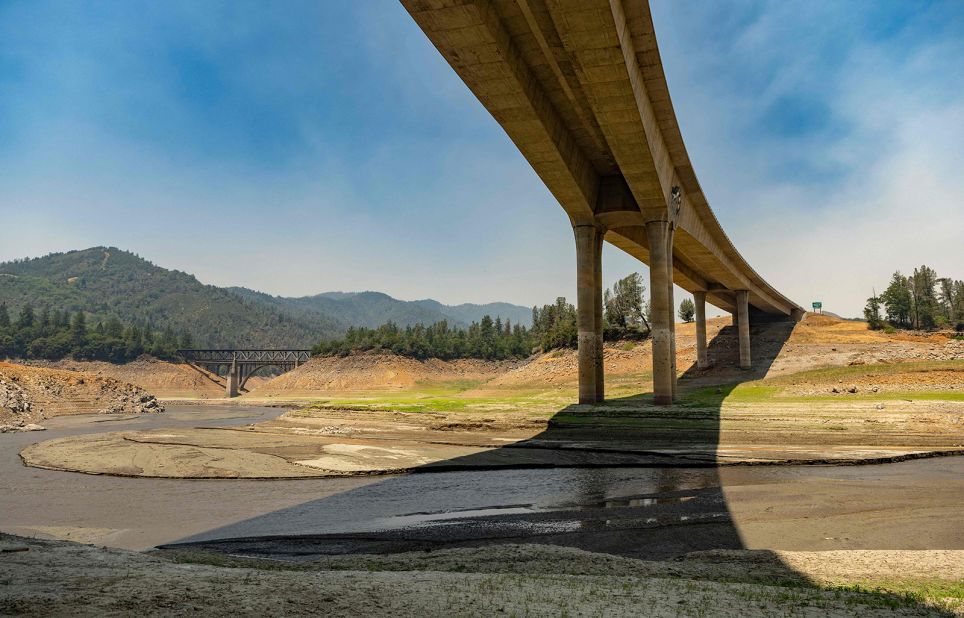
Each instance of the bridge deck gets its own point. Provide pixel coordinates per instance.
(578, 85)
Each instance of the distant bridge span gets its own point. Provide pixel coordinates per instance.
(239, 365)
(578, 86)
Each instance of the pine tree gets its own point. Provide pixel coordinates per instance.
(687, 310)
(78, 330)
(872, 313)
(26, 318)
(897, 299)
(925, 304)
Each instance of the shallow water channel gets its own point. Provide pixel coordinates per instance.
(645, 512)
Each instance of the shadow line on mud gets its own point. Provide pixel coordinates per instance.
(658, 497)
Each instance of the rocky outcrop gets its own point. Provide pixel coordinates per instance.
(13, 398)
(29, 395)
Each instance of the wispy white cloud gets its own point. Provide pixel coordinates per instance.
(869, 181)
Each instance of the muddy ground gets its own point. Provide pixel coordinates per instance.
(827, 391)
(51, 577)
(326, 441)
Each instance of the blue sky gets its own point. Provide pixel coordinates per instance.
(305, 146)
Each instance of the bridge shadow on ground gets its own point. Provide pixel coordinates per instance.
(625, 478)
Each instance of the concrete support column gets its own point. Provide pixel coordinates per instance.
(589, 312)
(743, 325)
(598, 317)
(699, 301)
(660, 284)
(232, 379)
(672, 309)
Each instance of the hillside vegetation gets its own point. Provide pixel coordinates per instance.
(106, 283)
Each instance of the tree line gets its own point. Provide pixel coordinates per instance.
(553, 326)
(53, 335)
(921, 301)
(488, 339)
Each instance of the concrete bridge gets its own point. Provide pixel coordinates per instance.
(239, 365)
(578, 86)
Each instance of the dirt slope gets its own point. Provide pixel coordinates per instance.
(817, 342)
(31, 394)
(377, 372)
(163, 379)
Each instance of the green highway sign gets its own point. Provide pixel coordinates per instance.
(817, 304)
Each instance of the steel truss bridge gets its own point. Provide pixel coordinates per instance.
(239, 365)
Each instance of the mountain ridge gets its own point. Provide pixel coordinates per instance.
(107, 281)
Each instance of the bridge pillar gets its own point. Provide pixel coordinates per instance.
(699, 300)
(232, 379)
(589, 240)
(672, 310)
(743, 325)
(660, 284)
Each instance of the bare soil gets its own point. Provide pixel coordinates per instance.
(377, 372)
(28, 395)
(337, 442)
(816, 342)
(161, 378)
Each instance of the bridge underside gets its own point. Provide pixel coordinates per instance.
(239, 365)
(578, 86)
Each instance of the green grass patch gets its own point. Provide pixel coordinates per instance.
(833, 373)
(447, 387)
(423, 402)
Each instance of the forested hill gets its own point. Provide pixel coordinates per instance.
(106, 282)
(372, 309)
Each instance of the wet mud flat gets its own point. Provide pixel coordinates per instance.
(683, 540)
(324, 442)
(502, 480)
(646, 513)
